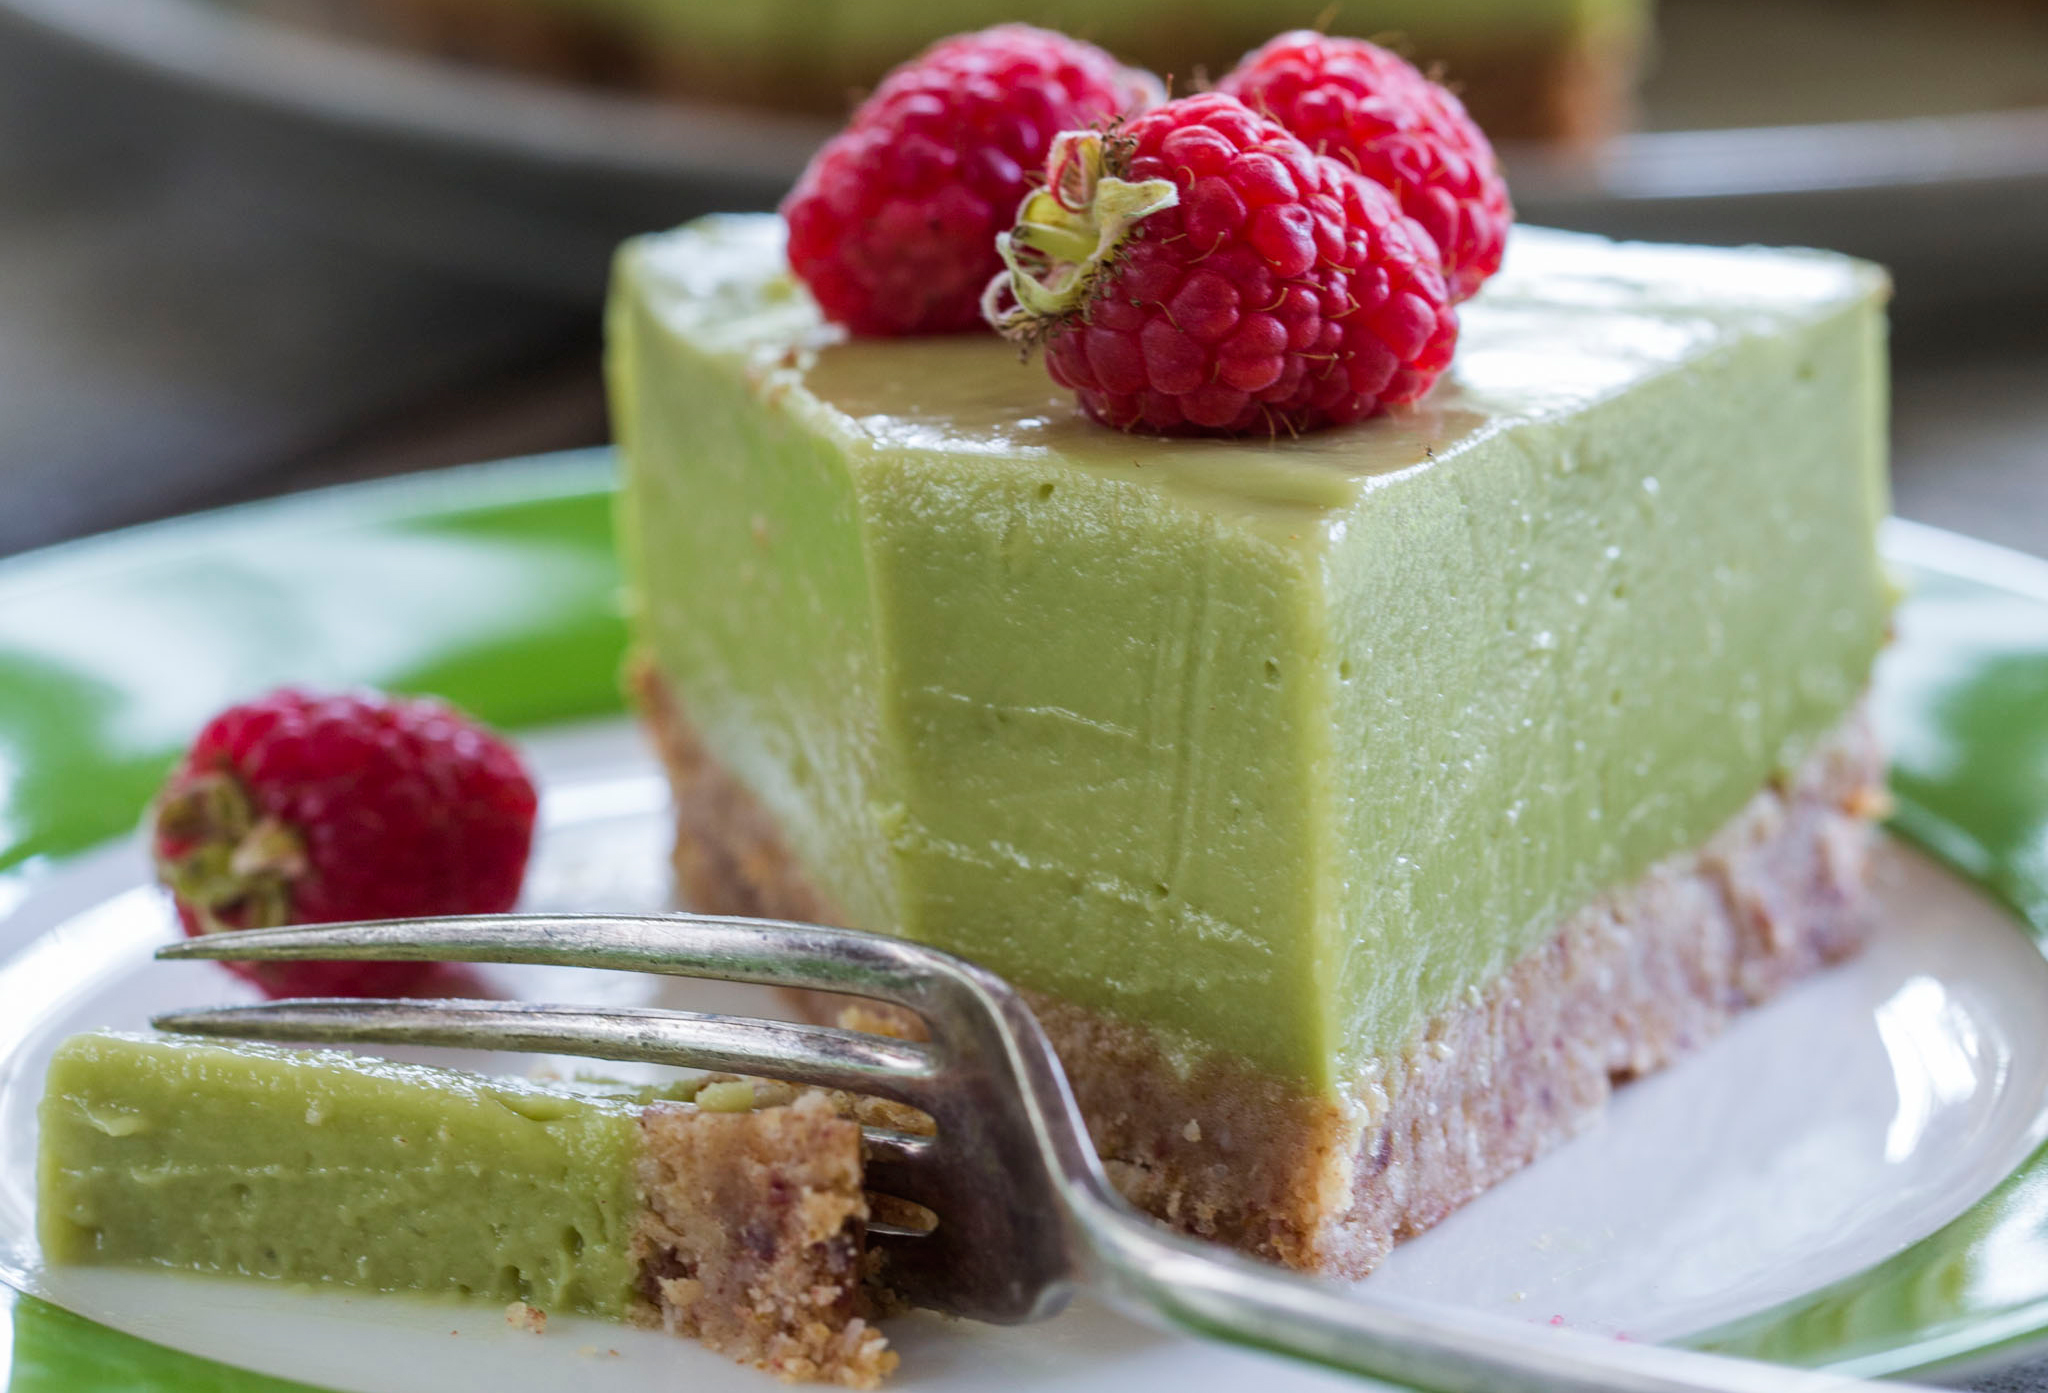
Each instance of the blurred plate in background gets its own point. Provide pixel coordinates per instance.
(1912, 133)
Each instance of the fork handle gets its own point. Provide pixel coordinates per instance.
(1164, 1278)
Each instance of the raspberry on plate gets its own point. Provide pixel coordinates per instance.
(1359, 103)
(1204, 272)
(893, 223)
(299, 808)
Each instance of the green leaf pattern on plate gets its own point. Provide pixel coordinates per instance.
(57, 1352)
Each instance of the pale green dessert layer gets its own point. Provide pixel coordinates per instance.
(325, 1167)
(1275, 747)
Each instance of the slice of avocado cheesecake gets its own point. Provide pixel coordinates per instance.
(730, 1217)
(1354, 808)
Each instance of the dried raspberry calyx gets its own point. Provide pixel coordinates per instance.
(232, 867)
(1068, 232)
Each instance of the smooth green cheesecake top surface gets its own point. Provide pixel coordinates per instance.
(327, 1167)
(1273, 746)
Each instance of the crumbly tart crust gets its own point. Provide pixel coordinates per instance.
(1623, 987)
(751, 1233)
(1574, 85)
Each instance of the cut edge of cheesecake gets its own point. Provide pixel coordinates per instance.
(747, 1233)
(1629, 983)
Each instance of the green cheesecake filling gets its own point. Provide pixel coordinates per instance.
(328, 1167)
(1273, 747)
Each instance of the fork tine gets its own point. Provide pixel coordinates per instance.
(803, 1054)
(885, 1146)
(903, 1164)
(768, 952)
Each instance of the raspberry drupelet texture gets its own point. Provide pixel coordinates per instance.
(1204, 272)
(299, 808)
(1356, 102)
(893, 224)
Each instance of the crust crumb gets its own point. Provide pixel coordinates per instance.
(751, 1237)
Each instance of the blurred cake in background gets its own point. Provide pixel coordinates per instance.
(1544, 69)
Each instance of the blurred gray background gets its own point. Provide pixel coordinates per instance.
(173, 337)
(176, 332)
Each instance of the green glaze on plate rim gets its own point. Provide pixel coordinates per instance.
(495, 586)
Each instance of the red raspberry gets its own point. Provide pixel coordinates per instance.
(893, 224)
(1206, 272)
(305, 809)
(1357, 102)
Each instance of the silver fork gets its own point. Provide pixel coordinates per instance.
(1026, 1215)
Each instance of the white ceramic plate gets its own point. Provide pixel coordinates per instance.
(1823, 1133)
